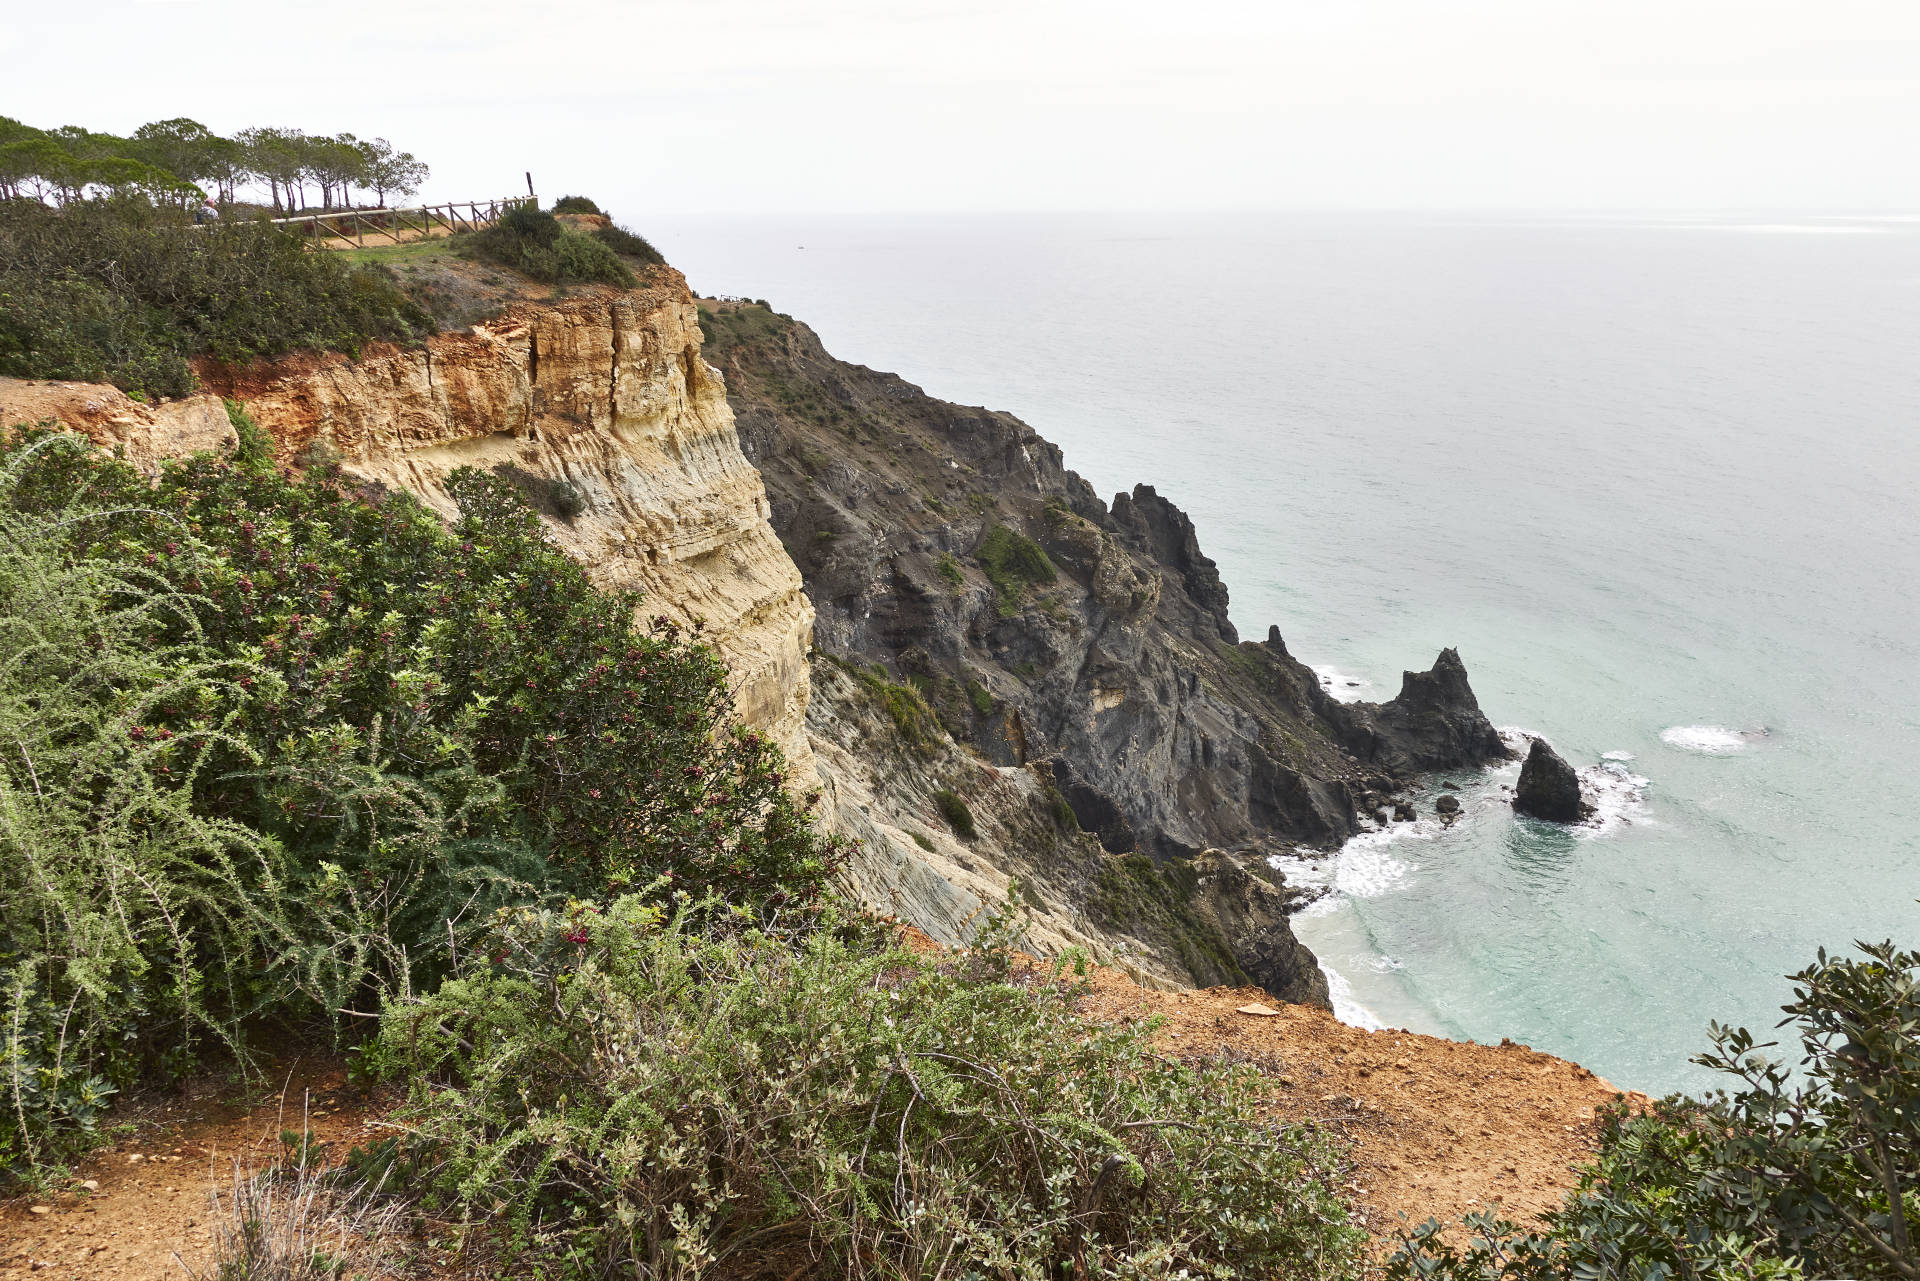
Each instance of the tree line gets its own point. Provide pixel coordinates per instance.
(180, 161)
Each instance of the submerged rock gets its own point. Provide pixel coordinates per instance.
(1549, 788)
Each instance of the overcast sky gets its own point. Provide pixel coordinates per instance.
(800, 106)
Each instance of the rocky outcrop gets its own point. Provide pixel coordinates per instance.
(1248, 904)
(1434, 723)
(606, 392)
(1114, 668)
(1548, 787)
(146, 435)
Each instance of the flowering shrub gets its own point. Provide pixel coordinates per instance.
(375, 728)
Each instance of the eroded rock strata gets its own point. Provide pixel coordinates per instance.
(1107, 667)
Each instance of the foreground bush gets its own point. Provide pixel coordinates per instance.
(617, 1094)
(119, 292)
(277, 747)
(1816, 1174)
(130, 919)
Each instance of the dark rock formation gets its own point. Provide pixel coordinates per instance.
(1447, 805)
(1248, 905)
(1120, 673)
(1549, 788)
(1434, 723)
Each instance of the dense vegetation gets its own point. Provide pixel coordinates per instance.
(114, 291)
(280, 750)
(274, 749)
(536, 244)
(180, 160)
(1812, 1174)
(625, 1096)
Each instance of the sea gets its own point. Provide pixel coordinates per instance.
(1656, 477)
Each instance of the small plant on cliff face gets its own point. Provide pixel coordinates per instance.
(949, 570)
(1815, 1174)
(1012, 562)
(957, 813)
(618, 1093)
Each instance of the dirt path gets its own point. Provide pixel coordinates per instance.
(149, 1198)
(1438, 1128)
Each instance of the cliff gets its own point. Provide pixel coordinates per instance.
(1010, 680)
(604, 391)
(955, 562)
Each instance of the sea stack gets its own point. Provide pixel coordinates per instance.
(1549, 788)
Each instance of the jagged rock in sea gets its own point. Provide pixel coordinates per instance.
(1549, 788)
(1434, 723)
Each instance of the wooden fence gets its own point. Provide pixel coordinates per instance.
(399, 225)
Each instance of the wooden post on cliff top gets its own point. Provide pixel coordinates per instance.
(530, 194)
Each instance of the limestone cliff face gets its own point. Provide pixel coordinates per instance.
(606, 392)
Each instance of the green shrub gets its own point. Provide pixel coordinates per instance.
(949, 570)
(575, 205)
(117, 292)
(1012, 562)
(131, 922)
(632, 245)
(906, 707)
(1815, 1173)
(955, 810)
(535, 244)
(978, 696)
(329, 727)
(567, 499)
(615, 1094)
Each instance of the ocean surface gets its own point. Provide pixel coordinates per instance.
(1658, 479)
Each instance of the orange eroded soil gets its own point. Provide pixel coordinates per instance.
(1439, 1128)
(151, 1201)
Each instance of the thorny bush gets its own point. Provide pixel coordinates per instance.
(622, 1093)
(359, 731)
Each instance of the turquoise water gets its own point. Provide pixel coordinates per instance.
(1652, 477)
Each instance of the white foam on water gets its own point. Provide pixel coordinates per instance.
(1375, 862)
(1344, 686)
(1365, 867)
(1619, 799)
(1345, 1008)
(1710, 740)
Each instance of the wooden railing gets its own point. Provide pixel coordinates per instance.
(399, 225)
